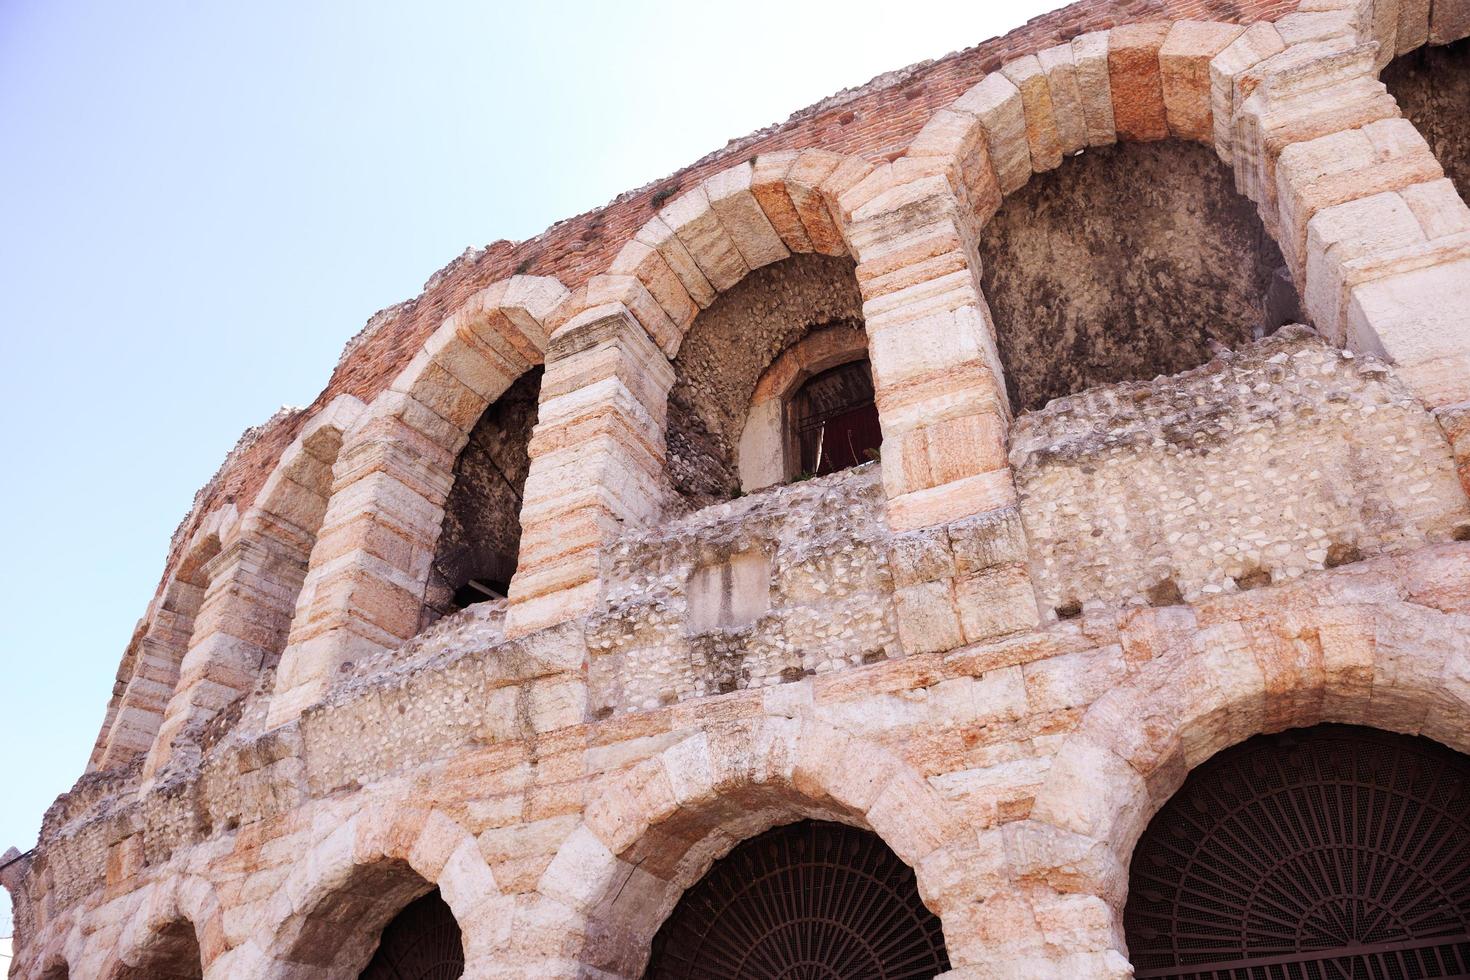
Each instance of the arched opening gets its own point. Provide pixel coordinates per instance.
(812, 899)
(833, 420)
(1432, 87)
(480, 539)
(171, 954)
(423, 942)
(1332, 851)
(1127, 262)
(723, 433)
(386, 917)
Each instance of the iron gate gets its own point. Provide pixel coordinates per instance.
(1329, 853)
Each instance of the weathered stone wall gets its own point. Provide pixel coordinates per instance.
(724, 354)
(1432, 86)
(758, 591)
(1127, 262)
(481, 535)
(1284, 457)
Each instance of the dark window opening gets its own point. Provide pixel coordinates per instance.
(480, 590)
(480, 539)
(835, 420)
(422, 943)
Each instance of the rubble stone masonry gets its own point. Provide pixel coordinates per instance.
(1167, 309)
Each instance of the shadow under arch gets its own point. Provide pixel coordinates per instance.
(1396, 665)
(330, 914)
(656, 829)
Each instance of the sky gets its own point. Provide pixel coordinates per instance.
(200, 202)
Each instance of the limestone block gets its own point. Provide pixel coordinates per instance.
(911, 818)
(1089, 790)
(996, 102)
(823, 769)
(927, 619)
(1438, 208)
(652, 269)
(1042, 137)
(1136, 81)
(1066, 99)
(1257, 43)
(1384, 155)
(1094, 90)
(754, 236)
(804, 182)
(1449, 21)
(951, 501)
(1303, 27)
(634, 296)
(692, 218)
(1184, 66)
(768, 185)
(657, 235)
(1413, 25)
(579, 871)
(762, 448)
(1417, 318)
(1349, 231)
(1305, 92)
(996, 602)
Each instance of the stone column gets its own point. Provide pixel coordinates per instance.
(369, 568)
(371, 559)
(241, 624)
(597, 461)
(1376, 235)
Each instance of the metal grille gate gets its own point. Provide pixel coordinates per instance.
(1329, 853)
(810, 901)
(422, 943)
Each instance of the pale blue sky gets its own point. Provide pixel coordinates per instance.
(202, 201)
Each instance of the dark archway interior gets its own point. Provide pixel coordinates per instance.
(423, 942)
(1432, 86)
(481, 535)
(728, 347)
(172, 955)
(811, 899)
(1126, 263)
(1332, 851)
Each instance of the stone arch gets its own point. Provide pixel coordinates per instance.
(654, 829)
(364, 872)
(364, 589)
(253, 593)
(1398, 666)
(765, 442)
(149, 674)
(177, 930)
(598, 455)
(53, 968)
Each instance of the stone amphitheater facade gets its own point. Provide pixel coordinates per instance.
(1166, 310)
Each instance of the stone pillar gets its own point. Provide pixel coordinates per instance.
(960, 554)
(149, 674)
(936, 374)
(597, 461)
(241, 624)
(369, 568)
(365, 586)
(1370, 227)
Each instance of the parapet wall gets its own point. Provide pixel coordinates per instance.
(1283, 457)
